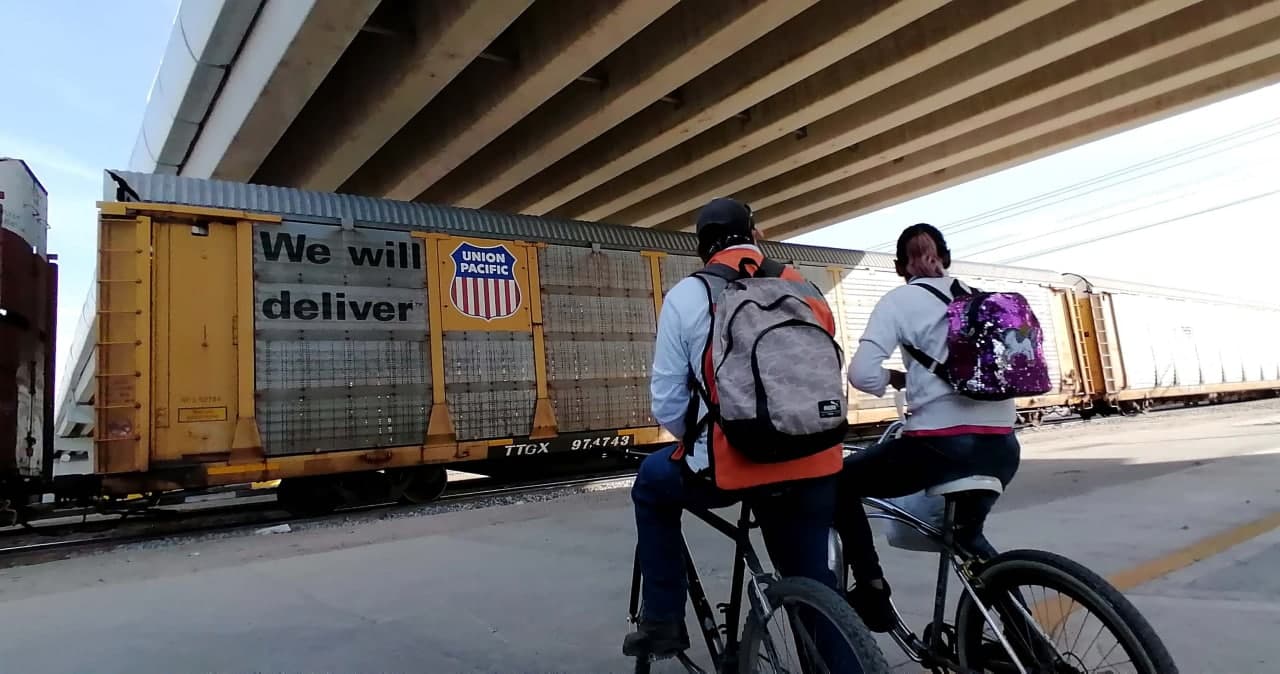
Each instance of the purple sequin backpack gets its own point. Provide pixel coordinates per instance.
(995, 345)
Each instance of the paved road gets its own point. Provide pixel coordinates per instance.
(541, 586)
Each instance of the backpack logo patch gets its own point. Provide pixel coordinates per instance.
(484, 282)
(1017, 342)
(829, 409)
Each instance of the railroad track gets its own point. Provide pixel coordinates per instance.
(162, 524)
(248, 517)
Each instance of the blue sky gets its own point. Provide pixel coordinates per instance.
(76, 74)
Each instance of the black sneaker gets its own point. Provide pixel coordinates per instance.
(873, 606)
(659, 640)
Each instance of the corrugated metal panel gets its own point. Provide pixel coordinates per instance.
(24, 204)
(489, 380)
(1211, 342)
(863, 288)
(821, 277)
(1186, 358)
(1263, 358)
(675, 268)
(1252, 344)
(1260, 334)
(389, 214)
(1166, 337)
(848, 340)
(1136, 347)
(1170, 341)
(599, 323)
(1231, 340)
(1271, 364)
(341, 324)
(28, 383)
(1266, 338)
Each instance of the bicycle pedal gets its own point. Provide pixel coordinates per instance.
(948, 638)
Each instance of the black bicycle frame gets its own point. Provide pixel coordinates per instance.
(930, 653)
(724, 654)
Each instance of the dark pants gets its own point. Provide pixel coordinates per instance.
(909, 464)
(795, 522)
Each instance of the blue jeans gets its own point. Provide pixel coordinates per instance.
(795, 525)
(909, 464)
(795, 520)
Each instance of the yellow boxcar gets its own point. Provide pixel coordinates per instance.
(249, 333)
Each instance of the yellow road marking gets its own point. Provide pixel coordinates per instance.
(1198, 551)
(1049, 612)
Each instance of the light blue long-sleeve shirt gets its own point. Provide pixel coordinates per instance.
(677, 352)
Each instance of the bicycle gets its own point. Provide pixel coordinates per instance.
(992, 588)
(765, 591)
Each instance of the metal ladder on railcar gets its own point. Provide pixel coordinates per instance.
(1103, 336)
(123, 337)
(1082, 349)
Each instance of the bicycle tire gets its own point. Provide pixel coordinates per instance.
(1015, 568)
(828, 603)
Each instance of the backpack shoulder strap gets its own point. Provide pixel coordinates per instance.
(770, 268)
(959, 289)
(721, 271)
(926, 361)
(942, 297)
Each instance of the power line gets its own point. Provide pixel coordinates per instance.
(1129, 169)
(1056, 249)
(991, 216)
(976, 225)
(1179, 191)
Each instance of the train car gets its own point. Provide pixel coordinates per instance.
(244, 333)
(28, 284)
(1138, 345)
(354, 348)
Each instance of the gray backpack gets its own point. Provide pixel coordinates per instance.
(773, 376)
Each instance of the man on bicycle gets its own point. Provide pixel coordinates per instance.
(793, 499)
(947, 437)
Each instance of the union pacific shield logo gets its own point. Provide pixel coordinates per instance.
(484, 282)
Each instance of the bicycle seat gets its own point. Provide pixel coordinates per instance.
(971, 483)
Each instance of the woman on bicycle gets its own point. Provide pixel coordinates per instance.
(947, 437)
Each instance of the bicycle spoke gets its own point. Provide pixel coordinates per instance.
(1072, 656)
(1101, 628)
(1052, 636)
(821, 631)
(1078, 634)
(815, 655)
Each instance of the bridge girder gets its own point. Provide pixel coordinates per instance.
(639, 111)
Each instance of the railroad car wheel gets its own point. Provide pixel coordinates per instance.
(419, 484)
(1033, 418)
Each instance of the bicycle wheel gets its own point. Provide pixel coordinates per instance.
(842, 626)
(1020, 573)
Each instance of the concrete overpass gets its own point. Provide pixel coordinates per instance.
(638, 111)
